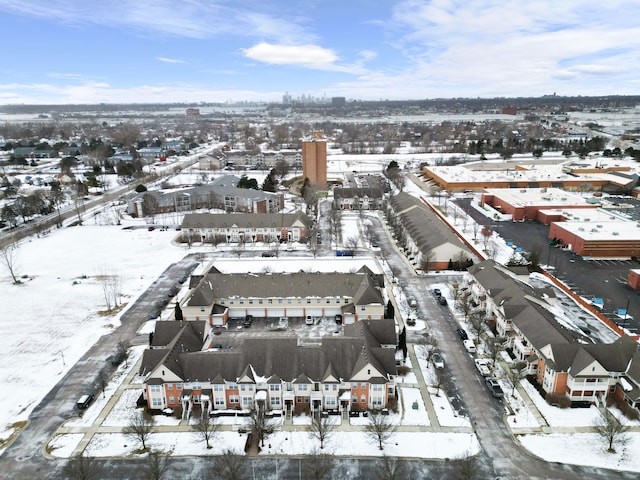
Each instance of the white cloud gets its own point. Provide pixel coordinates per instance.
(307, 55)
(169, 60)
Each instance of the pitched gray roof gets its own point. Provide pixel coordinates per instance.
(245, 220)
(360, 286)
(283, 357)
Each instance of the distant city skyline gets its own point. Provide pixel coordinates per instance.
(161, 51)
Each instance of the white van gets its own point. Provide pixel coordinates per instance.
(469, 345)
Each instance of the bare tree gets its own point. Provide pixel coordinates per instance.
(80, 467)
(380, 429)
(390, 469)
(476, 321)
(318, 466)
(259, 425)
(611, 430)
(157, 465)
(351, 244)
(321, 428)
(150, 205)
(230, 465)
(514, 376)
(476, 228)
(207, 428)
(494, 347)
(9, 258)
(140, 428)
(110, 283)
(335, 224)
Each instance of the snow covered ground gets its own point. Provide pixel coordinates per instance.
(58, 310)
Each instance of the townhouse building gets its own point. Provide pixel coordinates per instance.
(563, 360)
(216, 297)
(246, 227)
(186, 367)
(427, 241)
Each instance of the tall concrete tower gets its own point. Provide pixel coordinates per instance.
(314, 159)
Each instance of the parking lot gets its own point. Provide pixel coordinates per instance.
(605, 279)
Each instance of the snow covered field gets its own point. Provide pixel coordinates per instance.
(54, 317)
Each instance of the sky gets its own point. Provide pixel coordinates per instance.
(139, 51)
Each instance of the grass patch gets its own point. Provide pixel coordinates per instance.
(17, 428)
(113, 311)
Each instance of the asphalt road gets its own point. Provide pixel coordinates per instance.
(501, 456)
(24, 458)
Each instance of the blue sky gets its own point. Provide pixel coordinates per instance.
(89, 51)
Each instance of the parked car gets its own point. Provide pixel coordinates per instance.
(469, 346)
(437, 292)
(438, 362)
(442, 300)
(411, 322)
(494, 387)
(247, 321)
(462, 334)
(84, 401)
(413, 302)
(268, 254)
(484, 366)
(309, 320)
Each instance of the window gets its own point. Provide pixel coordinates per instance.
(218, 388)
(233, 386)
(242, 301)
(298, 399)
(328, 300)
(202, 309)
(172, 399)
(306, 399)
(363, 308)
(169, 386)
(299, 301)
(274, 388)
(275, 401)
(243, 387)
(302, 387)
(219, 401)
(270, 301)
(234, 399)
(247, 401)
(354, 399)
(376, 388)
(251, 301)
(289, 301)
(280, 301)
(260, 301)
(308, 300)
(178, 386)
(318, 300)
(231, 302)
(156, 402)
(197, 386)
(155, 388)
(363, 399)
(330, 402)
(376, 402)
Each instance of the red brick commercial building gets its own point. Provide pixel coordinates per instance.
(615, 239)
(314, 159)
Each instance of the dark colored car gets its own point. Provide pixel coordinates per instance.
(437, 292)
(442, 300)
(247, 321)
(462, 334)
(84, 401)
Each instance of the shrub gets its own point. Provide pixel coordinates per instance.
(561, 401)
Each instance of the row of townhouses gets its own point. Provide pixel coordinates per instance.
(564, 361)
(349, 297)
(246, 227)
(185, 367)
(427, 241)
